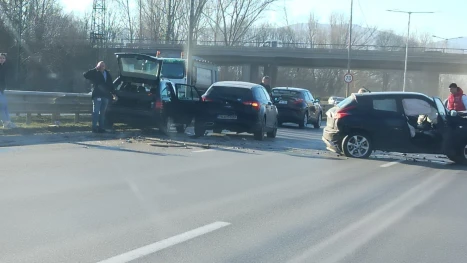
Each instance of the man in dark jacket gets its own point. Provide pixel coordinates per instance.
(4, 114)
(265, 83)
(102, 93)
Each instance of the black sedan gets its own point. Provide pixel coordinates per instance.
(296, 105)
(239, 107)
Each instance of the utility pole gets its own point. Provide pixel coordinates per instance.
(168, 35)
(140, 21)
(189, 55)
(407, 41)
(19, 40)
(349, 50)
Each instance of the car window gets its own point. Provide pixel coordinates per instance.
(441, 108)
(231, 93)
(166, 89)
(346, 102)
(259, 95)
(311, 97)
(186, 92)
(266, 94)
(385, 105)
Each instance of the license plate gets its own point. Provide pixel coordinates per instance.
(283, 102)
(227, 117)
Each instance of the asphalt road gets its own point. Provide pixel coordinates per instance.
(284, 200)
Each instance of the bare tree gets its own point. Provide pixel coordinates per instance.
(236, 17)
(127, 12)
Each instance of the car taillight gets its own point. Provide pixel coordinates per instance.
(298, 101)
(203, 98)
(159, 105)
(343, 112)
(254, 104)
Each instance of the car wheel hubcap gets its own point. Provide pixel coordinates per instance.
(465, 151)
(358, 146)
(305, 120)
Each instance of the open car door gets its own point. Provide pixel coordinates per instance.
(186, 103)
(133, 65)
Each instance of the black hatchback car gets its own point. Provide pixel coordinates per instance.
(238, 107)
(144, 100)
(395, 122)
(298, 106)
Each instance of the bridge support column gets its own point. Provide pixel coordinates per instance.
(430, 84)
(254, 74)
(271, 71)
(246, 73)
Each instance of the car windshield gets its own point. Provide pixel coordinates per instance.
(230, 93)
(173, 69)
(138, 67)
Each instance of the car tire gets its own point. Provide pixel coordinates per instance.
(317, 124)
(273, 133)
(259, 133)
(357, 145)
(461, 155)
(304, 122)
(180, 128)
(200, 130)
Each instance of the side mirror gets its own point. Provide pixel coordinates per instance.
(453, 113)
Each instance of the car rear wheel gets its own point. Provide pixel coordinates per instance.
(461, 155)
(317, 124)
(304, 122)
(273, 133)
(199, 129)
(357, 145)
(259, 133)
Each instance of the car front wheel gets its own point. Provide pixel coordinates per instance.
(461, 155)
(317, 124)
(357, 145)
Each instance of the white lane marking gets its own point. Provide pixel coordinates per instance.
(163, 244)
(389, 164)
(343, 243)
(202, 151)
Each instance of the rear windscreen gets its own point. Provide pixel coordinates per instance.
(288, 93)
(231, 93)
(346, 102)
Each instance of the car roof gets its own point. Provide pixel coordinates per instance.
(235, 84)
(289, 88)
(392, 94)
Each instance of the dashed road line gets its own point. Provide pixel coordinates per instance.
(386, 165)
(166, 243)
(202, 151)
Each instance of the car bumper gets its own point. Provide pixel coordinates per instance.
(290, 115)
(231, 125)
(332, 139)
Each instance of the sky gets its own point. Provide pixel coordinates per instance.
(448, 21)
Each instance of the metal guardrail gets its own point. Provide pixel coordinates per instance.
(55, 103)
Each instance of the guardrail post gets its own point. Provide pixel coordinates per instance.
(76, 117)
(28, 118)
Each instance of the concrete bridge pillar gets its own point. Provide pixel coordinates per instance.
(430, 84)
(271, 71)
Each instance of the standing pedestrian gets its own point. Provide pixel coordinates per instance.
(4, 114)
(266, 84)
(457, 100)
(102, 93)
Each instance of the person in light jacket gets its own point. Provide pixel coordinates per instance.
(102, 93)
(4, 114)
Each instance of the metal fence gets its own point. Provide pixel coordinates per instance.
(55, 103)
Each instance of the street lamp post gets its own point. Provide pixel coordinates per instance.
(407, 41)
(189, 54)
(349, 50)
(446, 40)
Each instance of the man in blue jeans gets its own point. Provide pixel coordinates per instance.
(102, 93)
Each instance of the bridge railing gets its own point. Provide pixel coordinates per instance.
(55, 103)
(149, 44)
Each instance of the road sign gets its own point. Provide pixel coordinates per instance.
(348, 78)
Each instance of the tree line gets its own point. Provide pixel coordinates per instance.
(54, 47)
